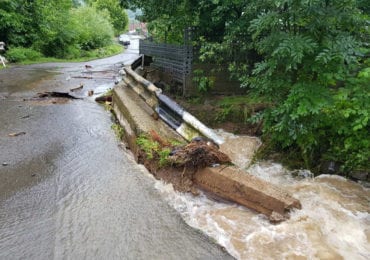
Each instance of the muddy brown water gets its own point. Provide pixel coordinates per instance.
(334, 222)
(68, 190)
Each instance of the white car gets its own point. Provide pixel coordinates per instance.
(124, 39)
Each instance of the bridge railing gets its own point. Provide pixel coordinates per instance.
(168, 110)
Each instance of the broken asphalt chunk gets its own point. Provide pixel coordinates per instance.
(16, 134)
(56, 94)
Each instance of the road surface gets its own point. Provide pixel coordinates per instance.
(68, 189)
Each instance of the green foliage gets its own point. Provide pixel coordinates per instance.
(304, 62)
(149, 146)
(307, 59)
(18, 54)
(56, 28)
(204, 83)
(116, 14)
(81, 56)
(163, 157)
(239, 108)
(12, 21)
(53, 32)
(153, 150)
(118, 130)
(350, 126)
(166, 19)
(93, 29)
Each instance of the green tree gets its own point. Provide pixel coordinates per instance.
(311, 51)
(117, 15)
(92, 28)
(59, 28)
(55, 33)
(166, 19)
(16, 21)
(309, 57)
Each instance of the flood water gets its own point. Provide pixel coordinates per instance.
(68, 188)
(334, 222)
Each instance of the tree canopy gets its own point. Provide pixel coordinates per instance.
(60, 28)
(117, 15)
(309, 58)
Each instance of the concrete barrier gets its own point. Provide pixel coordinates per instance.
(168, 110)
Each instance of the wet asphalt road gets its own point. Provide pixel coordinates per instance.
(68, 189)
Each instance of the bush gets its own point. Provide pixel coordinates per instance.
(92, 28)
(71, 34)
(19, 54)
(350, 124)
(117, 15)
(309, 71)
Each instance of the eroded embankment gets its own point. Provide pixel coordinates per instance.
(225, 181)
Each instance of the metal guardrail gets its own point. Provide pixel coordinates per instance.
(168, 110)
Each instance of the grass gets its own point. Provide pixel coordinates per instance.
(118, 130)
(149, 146)
(104, 52)
(239, 108)
(239, 100)
(153, 150)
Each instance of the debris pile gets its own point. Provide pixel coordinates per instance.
(199, 153)
(178, 163)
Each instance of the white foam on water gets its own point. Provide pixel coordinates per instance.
(196, 213)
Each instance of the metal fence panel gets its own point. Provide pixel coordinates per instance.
(174, 60)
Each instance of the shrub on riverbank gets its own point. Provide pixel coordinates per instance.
(61, 29)
(30, 56)
(19, 54)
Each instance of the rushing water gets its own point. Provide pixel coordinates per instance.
(334, 222)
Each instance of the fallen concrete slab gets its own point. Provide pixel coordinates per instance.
(232, 183)
(228, 182)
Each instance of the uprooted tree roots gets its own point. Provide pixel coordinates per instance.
(198, 154)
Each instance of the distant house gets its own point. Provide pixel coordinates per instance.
(136, 26)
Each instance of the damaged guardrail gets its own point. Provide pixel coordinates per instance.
(225, 181)
(168, 110)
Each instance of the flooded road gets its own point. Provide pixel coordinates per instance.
(68, 189)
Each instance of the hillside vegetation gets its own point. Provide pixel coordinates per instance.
(309, 59)
(59, 28)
